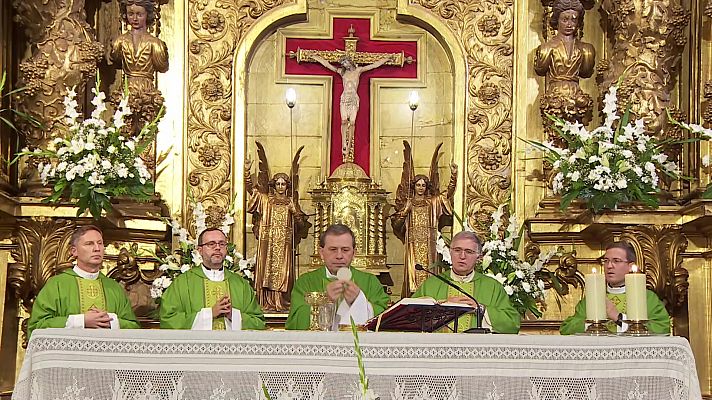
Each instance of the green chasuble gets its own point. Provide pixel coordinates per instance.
(488, 292)
(59, 298)
(658, 318)
(316, 281)
(185, 297)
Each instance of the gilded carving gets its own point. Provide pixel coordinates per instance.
(64, 54)
(216, 30)
(489, 87)
(136, 281)
(41, 251)
(707, 113)
(140, 55)
(659, 249)
(648, 39)
(564, 60)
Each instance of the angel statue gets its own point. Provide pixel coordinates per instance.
(421, 211)
(279, 225)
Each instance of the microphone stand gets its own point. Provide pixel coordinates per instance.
(478, 314)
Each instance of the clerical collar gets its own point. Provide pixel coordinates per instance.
(462, 279)
(84, 274)
(215, 275)
(615, 290)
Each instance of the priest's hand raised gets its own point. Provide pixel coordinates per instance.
(347, 289)
(95, 318)
(351, 292)
(223, 307)
(334, 290)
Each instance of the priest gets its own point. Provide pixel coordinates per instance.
(83, 297)
(210, 297)
(361, 297)
(499, 314)
(617, 262)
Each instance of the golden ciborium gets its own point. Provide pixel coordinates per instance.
(315, 299)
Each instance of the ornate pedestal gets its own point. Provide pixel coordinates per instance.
(351, 198)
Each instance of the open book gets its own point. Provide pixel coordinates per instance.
(423, 314)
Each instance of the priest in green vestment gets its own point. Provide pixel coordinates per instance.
(83, 297)
(617, 262)
(499, 314)
(211, 297)
(361, 297)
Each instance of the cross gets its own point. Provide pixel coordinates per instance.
(401, 64)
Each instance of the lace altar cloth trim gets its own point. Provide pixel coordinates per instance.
(181, 365)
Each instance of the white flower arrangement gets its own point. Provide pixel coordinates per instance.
(521, 279)
(186, 256)
(699, 132)
(614, 163)
(96, 160)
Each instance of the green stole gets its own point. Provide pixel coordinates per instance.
(619, 300)
(464, 322)
(91, 294)
(215, 291)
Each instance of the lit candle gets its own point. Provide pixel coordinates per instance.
(636, 295)
(595, 296)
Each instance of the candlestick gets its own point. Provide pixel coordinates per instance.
(636, 295)
(595, 296)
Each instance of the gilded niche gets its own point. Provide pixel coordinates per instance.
(485, 31)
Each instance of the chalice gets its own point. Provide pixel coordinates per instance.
(315, 299)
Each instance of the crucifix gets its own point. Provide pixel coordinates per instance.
(348, 130)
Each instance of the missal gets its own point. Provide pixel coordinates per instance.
(423, 314)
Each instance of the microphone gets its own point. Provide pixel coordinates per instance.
(478, 314)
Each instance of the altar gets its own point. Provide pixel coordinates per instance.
(153, 364)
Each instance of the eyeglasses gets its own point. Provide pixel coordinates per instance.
(614, 261)
(214, 244)
(460, 250)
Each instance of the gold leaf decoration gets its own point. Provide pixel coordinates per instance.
(485, 29)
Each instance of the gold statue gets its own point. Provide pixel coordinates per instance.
(422, 211)
(349, 102)
(279, 225)
(564, 60)
(141, 55)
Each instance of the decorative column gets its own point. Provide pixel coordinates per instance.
(648, 39)
(65, 54)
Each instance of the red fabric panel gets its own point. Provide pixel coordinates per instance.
(365, 44)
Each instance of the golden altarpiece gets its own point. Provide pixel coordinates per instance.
(474, 68)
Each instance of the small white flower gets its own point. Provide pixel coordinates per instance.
(163, 267)
(486, 260)
(197, 258)
(184, 268)
(541, 285)
(519, 274)
(509, 290)
(156, 293)
(526, 286)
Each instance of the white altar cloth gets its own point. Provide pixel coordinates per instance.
(185, 365)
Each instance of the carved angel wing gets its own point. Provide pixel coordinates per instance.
(403, 191)
(263, 175)
(294, 175)
(434, 174)
(301, 224)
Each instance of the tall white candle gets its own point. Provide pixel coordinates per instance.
(595, 296)
(636, 295)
